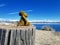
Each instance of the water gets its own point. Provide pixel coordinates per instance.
(56, 27)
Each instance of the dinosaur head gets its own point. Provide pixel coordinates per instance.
(22, 13)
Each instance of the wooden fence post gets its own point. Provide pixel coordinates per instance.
(17, 36)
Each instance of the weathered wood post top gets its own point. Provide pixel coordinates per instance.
(21, 35)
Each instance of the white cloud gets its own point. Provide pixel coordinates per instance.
(2, 5)
(28, 10)
(13, 13)
(2, 19)
(46, 20)
(13, 20)
(18, 12)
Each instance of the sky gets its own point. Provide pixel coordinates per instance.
(37, 10)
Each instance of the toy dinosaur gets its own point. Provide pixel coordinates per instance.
(23, 21)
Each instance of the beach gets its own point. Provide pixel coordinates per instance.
(47, 38)
(42, 37)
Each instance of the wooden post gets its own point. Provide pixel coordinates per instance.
(17, 36)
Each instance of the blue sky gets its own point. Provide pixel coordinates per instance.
(37, 9)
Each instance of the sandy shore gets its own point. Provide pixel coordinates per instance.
(47, 38)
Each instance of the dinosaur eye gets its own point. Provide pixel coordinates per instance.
(21, 13)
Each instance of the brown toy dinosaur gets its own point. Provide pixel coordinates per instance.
(23, 21)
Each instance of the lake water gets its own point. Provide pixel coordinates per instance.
(54, 26)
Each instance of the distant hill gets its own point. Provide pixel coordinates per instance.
(30, 22)
(45, 22)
